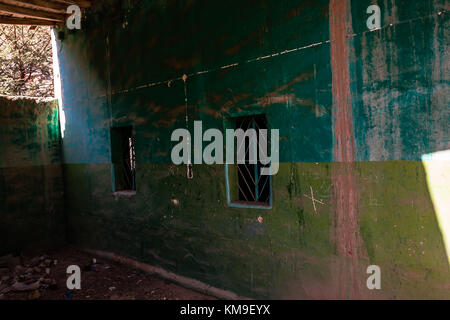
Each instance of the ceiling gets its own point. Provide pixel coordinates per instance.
(37, 12)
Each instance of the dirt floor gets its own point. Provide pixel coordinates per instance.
(43, 277)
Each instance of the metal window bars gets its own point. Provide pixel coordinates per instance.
(129, 164)
(252, 186)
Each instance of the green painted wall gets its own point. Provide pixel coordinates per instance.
(31, 183)
(124, 67)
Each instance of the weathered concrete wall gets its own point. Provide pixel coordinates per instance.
(400, 79)
(322, 79)
(31, 183)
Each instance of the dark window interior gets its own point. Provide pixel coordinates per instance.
(253, 187)
(123, 158)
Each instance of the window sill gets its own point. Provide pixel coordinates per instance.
(125, 193)
(251, 205)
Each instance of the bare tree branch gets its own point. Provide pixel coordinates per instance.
(26, 61)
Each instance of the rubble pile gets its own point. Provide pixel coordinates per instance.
(20, 275)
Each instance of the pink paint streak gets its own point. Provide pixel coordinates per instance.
(346, 231)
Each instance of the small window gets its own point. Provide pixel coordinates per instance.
(123, 159)
(246, 186)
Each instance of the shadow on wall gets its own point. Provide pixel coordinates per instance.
(31, 178)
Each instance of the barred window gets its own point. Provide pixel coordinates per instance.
(246, 186)
(123, 159)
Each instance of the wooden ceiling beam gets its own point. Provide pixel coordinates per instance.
(80, 3)
(32, 13)
(44, 5)
(25, 21)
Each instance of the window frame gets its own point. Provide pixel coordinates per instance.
(229, 123)
(125, 192)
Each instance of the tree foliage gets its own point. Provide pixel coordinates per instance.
(26, 64)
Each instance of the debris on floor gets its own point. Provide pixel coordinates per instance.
(27, 276)
(43, 277)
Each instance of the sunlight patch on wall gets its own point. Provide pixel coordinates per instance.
(437, 168)
(57, 85)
